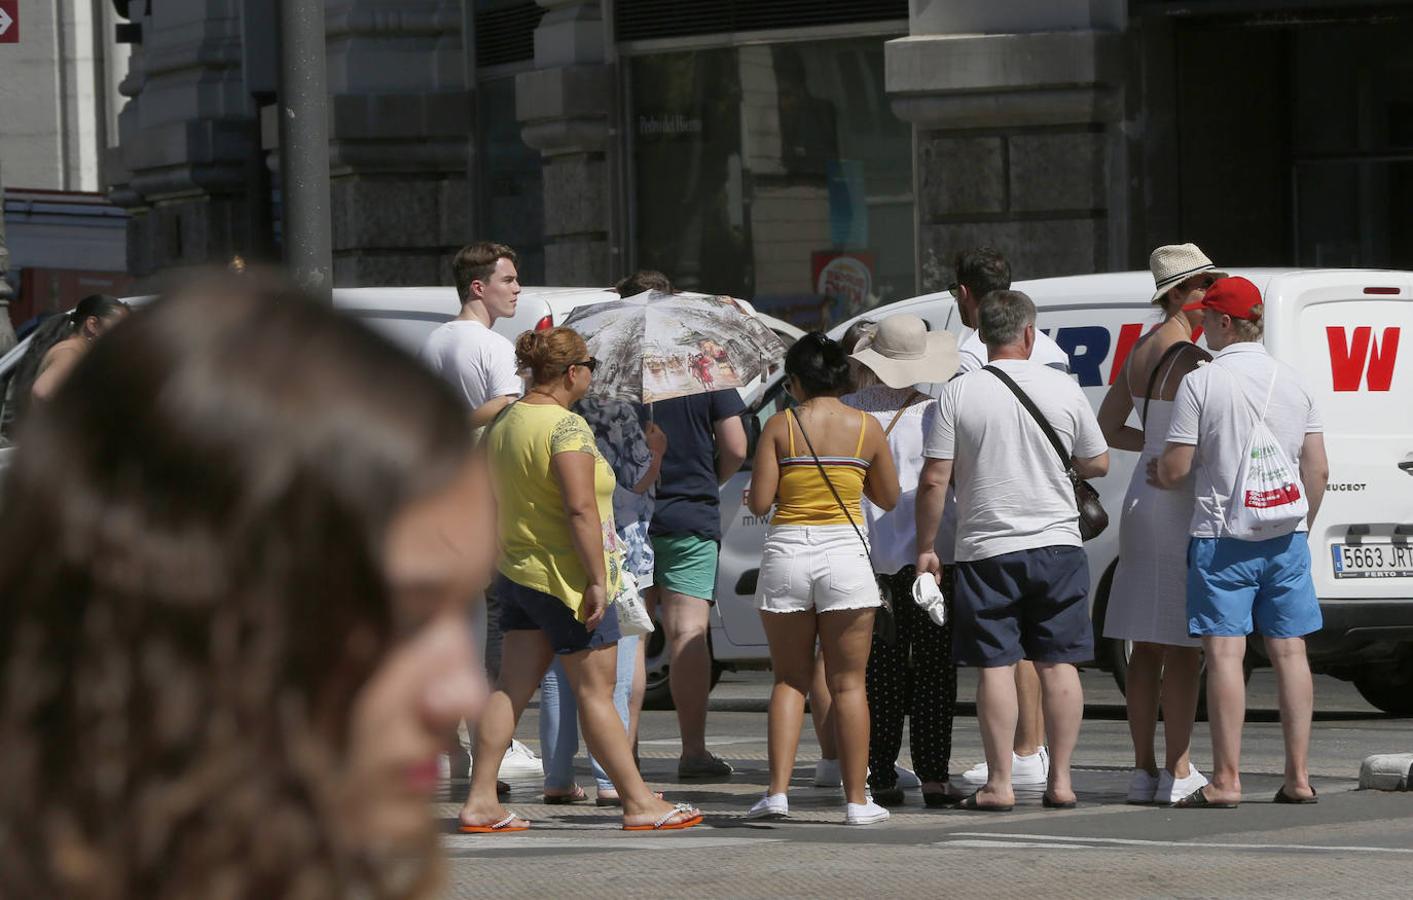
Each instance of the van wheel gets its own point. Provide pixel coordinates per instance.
(1390, 688)
(658, 693)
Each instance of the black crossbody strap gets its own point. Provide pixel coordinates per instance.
(827, 480)
(1036, 415)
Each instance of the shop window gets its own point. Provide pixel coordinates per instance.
(512, 184)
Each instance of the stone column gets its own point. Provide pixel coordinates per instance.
(564, 107)
(183, 137)
(398, 130)
(1017, 110)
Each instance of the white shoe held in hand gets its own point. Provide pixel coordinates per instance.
(928, 596)
(771, 806)
(869, 813)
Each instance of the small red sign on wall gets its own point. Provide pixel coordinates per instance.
(9, 21)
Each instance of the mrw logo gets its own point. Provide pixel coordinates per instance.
(1351, 359)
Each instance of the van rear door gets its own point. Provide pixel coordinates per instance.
(1347, 333)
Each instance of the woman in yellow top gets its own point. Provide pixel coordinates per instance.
(816, 581)
(559, 568)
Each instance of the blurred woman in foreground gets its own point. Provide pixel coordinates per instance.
(235, 552)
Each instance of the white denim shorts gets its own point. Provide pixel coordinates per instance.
(819, 567)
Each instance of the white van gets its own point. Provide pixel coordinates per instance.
(1341, 329)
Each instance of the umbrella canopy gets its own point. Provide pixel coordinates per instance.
(655, 346)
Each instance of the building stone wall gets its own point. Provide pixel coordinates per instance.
(1019, 138)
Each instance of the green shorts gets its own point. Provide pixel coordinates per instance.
(686, 564)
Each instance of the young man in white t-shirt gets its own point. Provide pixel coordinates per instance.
(475, 360)
(980, 271)
(480, 365)
(1235, 585)
(1022, 577)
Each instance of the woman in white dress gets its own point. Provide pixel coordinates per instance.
(1148, 599)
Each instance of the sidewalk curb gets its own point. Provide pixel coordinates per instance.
(1387, 772)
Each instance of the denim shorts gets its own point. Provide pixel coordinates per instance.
(815, 567)
(1236, 586)
(526, 609)
(1029, 604)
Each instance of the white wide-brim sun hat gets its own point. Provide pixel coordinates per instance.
(903, 353)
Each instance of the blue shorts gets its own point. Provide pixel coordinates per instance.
(526, 609)
(1232, 583)
(1030, 604)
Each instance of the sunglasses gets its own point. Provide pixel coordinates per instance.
(592, 364)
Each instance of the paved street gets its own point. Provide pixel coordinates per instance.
(1352, 843)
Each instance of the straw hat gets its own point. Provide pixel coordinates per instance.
(1174, 264)
(904, 353)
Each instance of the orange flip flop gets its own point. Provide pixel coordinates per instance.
(501, 827)
(662, 824)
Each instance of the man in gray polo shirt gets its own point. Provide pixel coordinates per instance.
(1239, 581)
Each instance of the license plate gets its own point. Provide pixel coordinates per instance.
(1386, 560)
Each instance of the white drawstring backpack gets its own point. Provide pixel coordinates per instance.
(1267, 501)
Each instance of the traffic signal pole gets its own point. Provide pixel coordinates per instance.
(304, 145)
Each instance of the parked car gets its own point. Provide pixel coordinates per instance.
(1341, 329)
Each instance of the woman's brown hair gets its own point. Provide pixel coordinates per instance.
(192, 593)
(549, 354)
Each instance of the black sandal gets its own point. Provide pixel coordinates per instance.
(1283, 797)
(941, 799)
(971, 804)
(1048, 803)
(1198, 800)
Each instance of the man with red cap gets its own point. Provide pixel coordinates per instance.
(1248, 434)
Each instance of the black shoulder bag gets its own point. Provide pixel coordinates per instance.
(1169, 356)
(1092, 517)
(884, 625)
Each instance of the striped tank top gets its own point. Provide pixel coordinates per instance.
(804, 499)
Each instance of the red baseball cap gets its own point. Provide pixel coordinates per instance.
(1234, 296)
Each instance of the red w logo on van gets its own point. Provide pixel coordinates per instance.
(1347, 358)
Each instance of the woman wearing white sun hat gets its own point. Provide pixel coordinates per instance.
(1147, 602)
(913, 675)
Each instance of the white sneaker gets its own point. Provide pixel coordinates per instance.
(1025, 770)
(907, 778)
(520, 762)
(771, 806)
(869, 813)
(1142, 786)
(444, 766)
(1171, 790)
(826, 774)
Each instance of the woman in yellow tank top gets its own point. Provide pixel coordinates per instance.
(813, 464)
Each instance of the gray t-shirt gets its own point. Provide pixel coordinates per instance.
(1012, 493)
(1213, 411)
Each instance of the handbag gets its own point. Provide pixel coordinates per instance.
(1092, 517)
(885, 627)
(633, 618)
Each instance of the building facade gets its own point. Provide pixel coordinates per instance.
(818, 156)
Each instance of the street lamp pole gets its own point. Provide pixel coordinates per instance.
(304, 145)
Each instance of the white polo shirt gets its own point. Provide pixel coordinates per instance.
(1213, 411)
(1012, 493)
(893, 533)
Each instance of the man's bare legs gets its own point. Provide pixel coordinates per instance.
(1226, 713)
(1063, 699)
(1030, 721)
(996, 711)
(685, 621)
(1297, 701)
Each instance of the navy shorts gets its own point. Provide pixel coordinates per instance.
(526, 609)
(1234, 586)
(1030, 604)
